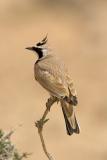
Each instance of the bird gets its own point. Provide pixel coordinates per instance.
(52, 75)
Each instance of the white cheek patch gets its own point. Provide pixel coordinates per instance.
(45, 51)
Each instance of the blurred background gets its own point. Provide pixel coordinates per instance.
(77, 32)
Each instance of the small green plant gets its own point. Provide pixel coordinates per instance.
(7, 149)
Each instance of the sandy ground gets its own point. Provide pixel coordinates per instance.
(78, 34)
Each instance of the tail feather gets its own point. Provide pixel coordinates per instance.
(70, 119)
(68, 126)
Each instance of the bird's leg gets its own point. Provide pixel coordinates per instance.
(51, 101)
(40, 123)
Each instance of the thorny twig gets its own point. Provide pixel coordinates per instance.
(39, 124)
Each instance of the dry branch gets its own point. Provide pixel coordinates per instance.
(39, 124)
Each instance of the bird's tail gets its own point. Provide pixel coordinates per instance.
(70, 118)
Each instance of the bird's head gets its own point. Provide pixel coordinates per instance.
(39, 48)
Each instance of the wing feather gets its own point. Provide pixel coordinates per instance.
(53, 76)
(51, 82)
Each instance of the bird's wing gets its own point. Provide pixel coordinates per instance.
(54, 83)
(52, 74)
(70, 85)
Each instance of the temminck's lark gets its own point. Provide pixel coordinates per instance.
(50, 72)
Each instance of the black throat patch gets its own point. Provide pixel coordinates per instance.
(38, 51)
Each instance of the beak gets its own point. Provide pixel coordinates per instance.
(29, 48)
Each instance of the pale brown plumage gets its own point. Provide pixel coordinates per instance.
(52, 76)
(51, 73)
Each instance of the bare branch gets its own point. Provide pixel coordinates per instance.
(39, 124)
